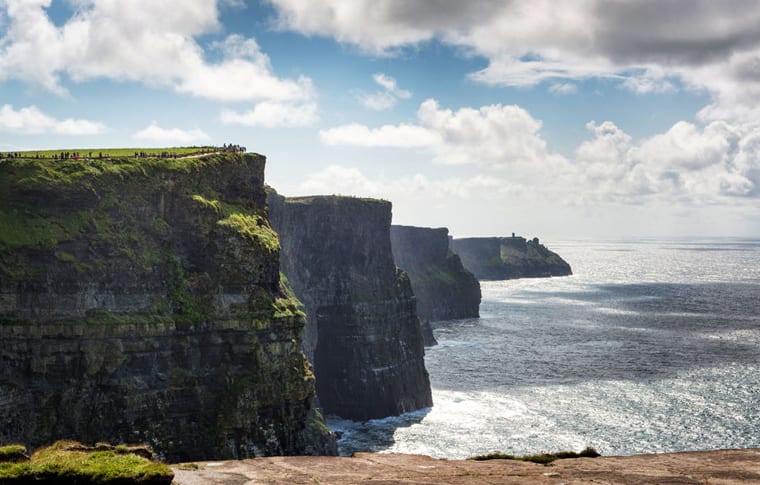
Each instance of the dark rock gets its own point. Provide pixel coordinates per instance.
(502, 258)
(444, 289)
(361, 326)
(141, 302)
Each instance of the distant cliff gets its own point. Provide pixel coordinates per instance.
(444, 289)
(501, 258)
(141, 301)
(361, 327)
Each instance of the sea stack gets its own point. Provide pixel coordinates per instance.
(362, 330)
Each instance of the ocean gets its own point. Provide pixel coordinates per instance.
(651, 346)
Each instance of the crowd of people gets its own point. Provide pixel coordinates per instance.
(10, 155)
(72, 155)
(233, 148)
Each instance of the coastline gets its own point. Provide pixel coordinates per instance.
(692, 467)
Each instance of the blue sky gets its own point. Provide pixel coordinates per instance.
(576, 119)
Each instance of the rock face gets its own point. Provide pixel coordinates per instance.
(444, 289)
(361, 326)
(502, 258)
(140, 301)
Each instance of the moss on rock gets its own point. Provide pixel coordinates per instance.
(69, 462)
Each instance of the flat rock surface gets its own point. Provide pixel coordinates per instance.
(702, 467)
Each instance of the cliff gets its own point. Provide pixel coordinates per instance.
(362, 328)
(140, 301)
(444, 289)
(502, 258)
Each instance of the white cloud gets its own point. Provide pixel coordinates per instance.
(141, 40)
(491, 136)
(379, 101)
(31, 120)
(400, 136)
(688, 164)
(563, 88)
(645, 45)
(272, 114)
(341, 180)
(389, 84)
(387, 97)
(155, 134)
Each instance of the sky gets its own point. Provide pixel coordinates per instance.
(580, 119)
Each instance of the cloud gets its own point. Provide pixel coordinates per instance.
(272, 114)
(30, 120)
(647, 46)
(689, 164)
(141, 40)
(490, 136)
(155, 134)
(398, 136)
(387, 97)
(563, 88)
(389, 84)
(336, 179)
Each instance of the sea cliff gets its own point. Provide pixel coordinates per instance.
(444, 289)
(141, 301)
(362, 328)
(501, 258)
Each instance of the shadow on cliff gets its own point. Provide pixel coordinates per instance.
(373, 435)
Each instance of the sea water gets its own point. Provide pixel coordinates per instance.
(651, 346)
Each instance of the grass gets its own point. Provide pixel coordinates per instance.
(13, 453)
(66, 462)
(114, 152)
(253, 228)
(543, 458)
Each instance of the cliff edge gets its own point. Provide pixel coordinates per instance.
(362, 328)
(444, 289)
(503, 258)
(141, 301)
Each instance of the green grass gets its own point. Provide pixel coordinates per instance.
(543, 458)
(12, 453)
(60, 464)
(254, 228)
(113, 152)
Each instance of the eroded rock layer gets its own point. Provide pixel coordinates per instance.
(140, 301)
(361, 326)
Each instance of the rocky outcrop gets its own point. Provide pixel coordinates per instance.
(361, 326)
(141, 301)
(502, 258)
(727, 467)
(444, 289)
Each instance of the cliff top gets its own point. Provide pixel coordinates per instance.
(308, 199)
(131, 152)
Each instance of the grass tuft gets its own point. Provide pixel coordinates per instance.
(68, 462)
(543, 458)
(13, 453)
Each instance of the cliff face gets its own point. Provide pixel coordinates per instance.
(501, 258)
(140, 301)
(444, 289)
(361, 326)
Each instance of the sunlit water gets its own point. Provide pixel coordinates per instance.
(651, 346)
